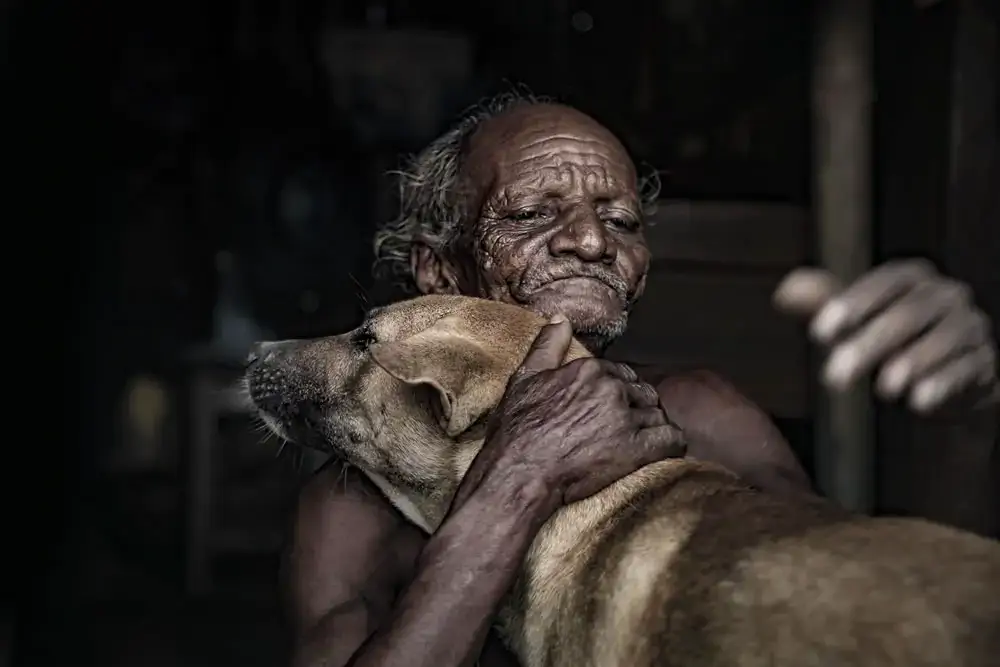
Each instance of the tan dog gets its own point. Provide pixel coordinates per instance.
(677, 564)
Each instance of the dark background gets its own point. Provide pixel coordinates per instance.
(200, 175)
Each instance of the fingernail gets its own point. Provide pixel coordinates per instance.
(557, 319)
(925, 395)
(840, 368)
(894, 378)
(829, 319)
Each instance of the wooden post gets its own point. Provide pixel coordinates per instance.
(843, 92)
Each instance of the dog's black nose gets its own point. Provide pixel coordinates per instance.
(261, 352)
(270, 381)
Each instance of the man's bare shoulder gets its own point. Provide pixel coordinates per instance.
(725, 426)
(700, 390)
(347, 541)
(706, 405)
(338, 486)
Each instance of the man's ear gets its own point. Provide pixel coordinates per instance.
(467, 377)
(431, 273)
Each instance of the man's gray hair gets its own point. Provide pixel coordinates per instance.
(431, 205)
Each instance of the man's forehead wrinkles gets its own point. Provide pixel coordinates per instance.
(512, 160)
(570, 143)
(573, 156)
(569, 162)
(559, 164)
(548, 177)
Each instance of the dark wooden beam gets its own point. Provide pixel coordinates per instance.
(843, 96)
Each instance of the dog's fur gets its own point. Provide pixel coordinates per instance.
(677, 564)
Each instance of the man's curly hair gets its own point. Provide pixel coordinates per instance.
(431, 205)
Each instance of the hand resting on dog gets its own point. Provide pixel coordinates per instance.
(677, 563)
(560, 433)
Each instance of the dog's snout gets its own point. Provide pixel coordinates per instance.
(257, 351)
(265, 388)
(277, 380)
(264, 351)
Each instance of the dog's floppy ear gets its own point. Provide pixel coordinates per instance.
(469, 379)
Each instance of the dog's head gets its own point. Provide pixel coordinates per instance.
(404, 397)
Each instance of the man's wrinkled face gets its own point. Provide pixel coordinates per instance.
(558, 226)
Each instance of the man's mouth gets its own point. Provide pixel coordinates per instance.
(580, 282)
(581, 279)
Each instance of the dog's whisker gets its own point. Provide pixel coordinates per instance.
(362, 293)
(342, 476)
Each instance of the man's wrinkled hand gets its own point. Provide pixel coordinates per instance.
(919, 333)
(570, 430)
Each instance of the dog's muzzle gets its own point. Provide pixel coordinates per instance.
(279, 387)
(288, 384)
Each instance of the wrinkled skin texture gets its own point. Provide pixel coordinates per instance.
(553, 224)
(920, 332)
(558, 227)
(580, 406)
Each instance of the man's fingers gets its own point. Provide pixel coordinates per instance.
(648, 446)
(977, 369)
(953, 334)
(885, 333)
(649, 418)
(869, 294)
(660, 442)
(804, 291)
(549, 347)
(623, 372)
(642, 395)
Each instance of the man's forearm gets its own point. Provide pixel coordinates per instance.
(470, 563)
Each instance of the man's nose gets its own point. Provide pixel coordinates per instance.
(585, 235)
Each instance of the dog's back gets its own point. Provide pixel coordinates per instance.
(678, 563)
(681, 564)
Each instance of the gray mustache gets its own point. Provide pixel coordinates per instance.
(536, 281)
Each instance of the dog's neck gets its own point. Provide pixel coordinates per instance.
(402, 502)
(425, 501)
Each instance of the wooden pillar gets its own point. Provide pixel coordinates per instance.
(843, 92)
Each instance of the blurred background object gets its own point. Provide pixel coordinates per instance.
(252, 147)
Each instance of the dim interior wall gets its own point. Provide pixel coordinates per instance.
(707, 303)
(938, 175)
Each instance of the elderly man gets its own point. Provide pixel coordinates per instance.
(537, 204)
